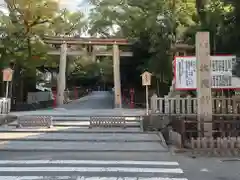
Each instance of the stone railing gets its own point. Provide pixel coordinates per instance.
(188, 105)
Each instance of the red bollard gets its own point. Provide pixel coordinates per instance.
(54, 99)
(75, 92)
(132, 98)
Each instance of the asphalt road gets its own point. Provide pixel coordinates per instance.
(94, 155)
(209, 168)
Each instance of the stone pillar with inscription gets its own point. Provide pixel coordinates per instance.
(204, 94)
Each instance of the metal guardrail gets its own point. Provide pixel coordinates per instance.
(107, 122)
(5, 105)
(35, 121)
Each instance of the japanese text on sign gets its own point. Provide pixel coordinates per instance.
(221, 72)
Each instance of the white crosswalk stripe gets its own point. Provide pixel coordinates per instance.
(89, 170)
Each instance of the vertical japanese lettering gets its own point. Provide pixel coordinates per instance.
(205, 83)
(204, 67)
(204, 45)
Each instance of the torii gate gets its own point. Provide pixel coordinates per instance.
(65, 41)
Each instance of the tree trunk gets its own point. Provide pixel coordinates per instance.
(200, 6)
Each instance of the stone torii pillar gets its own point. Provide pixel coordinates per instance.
(61, 80)
(117, 79)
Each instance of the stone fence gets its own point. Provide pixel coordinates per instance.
(188, 105)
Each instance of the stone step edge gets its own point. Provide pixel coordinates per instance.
(124, 131)
(83, 125)
(81, 150)
(78, 140)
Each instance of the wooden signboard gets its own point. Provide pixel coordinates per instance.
(146, 81)
(146, 78)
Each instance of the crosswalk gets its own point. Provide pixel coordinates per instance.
(89, 170)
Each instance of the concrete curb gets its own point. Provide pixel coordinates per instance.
(75, 125)
(81, 150)
(206, 153)
(79, 140)
(83, 126)
(74, 132)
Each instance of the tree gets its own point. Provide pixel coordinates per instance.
(152, 25)
(21, 40)
(27, 16)
(68, 23)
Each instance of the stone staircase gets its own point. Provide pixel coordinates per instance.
(74, 136)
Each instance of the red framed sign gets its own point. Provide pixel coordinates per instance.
(223, 72)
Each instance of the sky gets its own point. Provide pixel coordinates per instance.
(73, 4)
(70, 4)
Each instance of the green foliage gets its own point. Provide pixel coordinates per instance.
(68, 23)
(157, 24)
(153, 26)
(22, 31)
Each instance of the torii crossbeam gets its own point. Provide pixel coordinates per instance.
(65, 41)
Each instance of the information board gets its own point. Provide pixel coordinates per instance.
(146, 78)
(223, 72)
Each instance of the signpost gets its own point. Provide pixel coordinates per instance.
(146, 81)
(7, 77)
